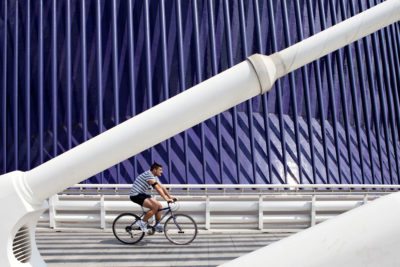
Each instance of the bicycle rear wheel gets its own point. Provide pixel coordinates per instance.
(180, 229)
(125, 229)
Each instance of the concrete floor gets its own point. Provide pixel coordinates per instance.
(102, 249)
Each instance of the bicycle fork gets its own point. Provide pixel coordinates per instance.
(176, 223)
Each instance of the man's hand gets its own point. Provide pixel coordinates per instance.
(172, 200)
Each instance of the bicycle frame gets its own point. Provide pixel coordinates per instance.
(173, 231)
(163, 216)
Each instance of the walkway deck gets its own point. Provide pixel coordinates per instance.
(102, 249)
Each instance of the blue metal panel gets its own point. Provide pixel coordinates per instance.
(293, 94)
(356, 112)
(4, 89)
(88, 65)
(332, 99)
(382, 109)
(41, 85)
(165, 79)
(343, 93)
(84, 70)
(396, 35)
(306, 86)
(28, 84)
(364, 103)
(16, 81)
(54, 79)
(390, 37)
(182, 82)
(148, 63)
(317, 70)
(214, 66)
(99, 56)
(115, 73)
(132, 73)
(228, 38)
(69, 74)
(374, 109)
(389, 104)
(199, 80)
(278, 89)
(243, 32)
(264, 99)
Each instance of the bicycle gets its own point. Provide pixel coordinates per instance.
(179, 229)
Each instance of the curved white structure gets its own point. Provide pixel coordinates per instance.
(24, 195)
(365, 236)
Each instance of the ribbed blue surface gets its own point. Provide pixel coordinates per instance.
(73, 69)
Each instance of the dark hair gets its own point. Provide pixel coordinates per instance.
(155, 166)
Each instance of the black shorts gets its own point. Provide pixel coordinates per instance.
(139, 199)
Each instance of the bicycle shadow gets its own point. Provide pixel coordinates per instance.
(113, 241)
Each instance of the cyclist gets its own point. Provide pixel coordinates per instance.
(138, 195)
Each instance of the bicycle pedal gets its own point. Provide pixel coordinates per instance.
(151, 231)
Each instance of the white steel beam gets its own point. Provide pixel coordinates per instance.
(364, 236)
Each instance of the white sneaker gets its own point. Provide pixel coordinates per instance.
(159, 228)
(142, 225)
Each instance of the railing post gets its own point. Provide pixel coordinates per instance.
(260, 213)
(102, 214)
(207, 226)
(313, 211)
(365, 200)
(52, 211)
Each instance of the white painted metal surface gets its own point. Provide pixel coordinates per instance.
(17, 213)
(365, 236)
(336, 37)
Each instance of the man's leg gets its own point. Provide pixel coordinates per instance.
(153, 205)
(158, 205)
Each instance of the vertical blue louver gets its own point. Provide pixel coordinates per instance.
(70, 70)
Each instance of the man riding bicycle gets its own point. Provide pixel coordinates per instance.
(138, 195)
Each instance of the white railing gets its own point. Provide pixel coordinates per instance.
(249, 186)
(225, 207)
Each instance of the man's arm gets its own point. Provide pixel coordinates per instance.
(161, 190)
(166, 190)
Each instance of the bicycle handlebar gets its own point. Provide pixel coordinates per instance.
(173, 200)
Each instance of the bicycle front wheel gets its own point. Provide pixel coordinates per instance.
(180, 229)
(125, 229)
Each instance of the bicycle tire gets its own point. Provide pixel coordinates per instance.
(182, 230)
(125, 230)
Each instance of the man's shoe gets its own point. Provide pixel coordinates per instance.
(142, 225)
(159, 228)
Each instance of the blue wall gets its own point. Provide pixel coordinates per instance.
(63, 81)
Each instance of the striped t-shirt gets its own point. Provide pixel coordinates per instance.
(141, 184)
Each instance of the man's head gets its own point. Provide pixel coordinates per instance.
(156, 169)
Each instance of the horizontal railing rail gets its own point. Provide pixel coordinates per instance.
(266, 186)
(200, 189)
